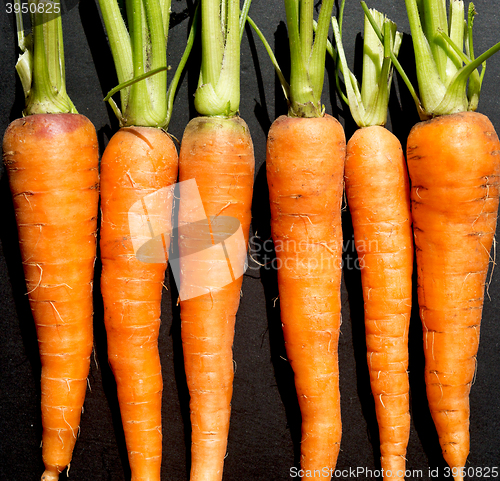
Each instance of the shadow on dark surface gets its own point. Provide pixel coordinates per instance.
(179, 372)
(337, 111)
(341, 109)
(108, 379)
(261, 112)
(263, 245)
(352, 280)
(19, 98)
(402, 110)
(177, 18)
(102, 59)
(282, 53)
(12, 254)
(178, 355)
(420, 413)
(19, 102)
(10, 245)
(282, 370)
(351, 272)
(192, 69)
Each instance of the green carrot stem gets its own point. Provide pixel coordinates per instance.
(317, 63)
(218, 92)
(302, 99)
(307, 56)
(395, 62)
(132, 81)
(475, 79)
(140, 58)
(119, 42)
(458, 85)
(446, 85)
(306, 18)
(244, 16)
(212, 41)
(165, 6)
(369, 106)
(182, 63)
(148, 99)
(41, 64)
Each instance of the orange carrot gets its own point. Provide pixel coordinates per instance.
(51, 156)
(377, 190)
(139, 169)
(455, 179)
(455, 190)
(216, 172)
(52, 162)
(218, 154)
(305, 166)
(137, 163)
(378, 196)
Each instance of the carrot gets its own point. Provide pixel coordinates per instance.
(138, 171)
(305, 166)
(52, 163)
(454, 170)
(380, 210)
(138, 162)
(452, 260)
(224, 175)
(217, 155)
(378, 197)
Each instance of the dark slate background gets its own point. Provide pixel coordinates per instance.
(264, 439)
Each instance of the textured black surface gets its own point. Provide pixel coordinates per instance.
(265, 423)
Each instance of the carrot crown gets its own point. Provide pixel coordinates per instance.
(308, 45)
(41, 64)
(307, 51)
(368, 106)
(140, 57)
(222, 26)
(447, 73)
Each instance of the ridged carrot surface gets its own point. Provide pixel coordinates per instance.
(378, 196)
(52, 162)
(218, 154)
(305, 168)
(454, 165)
(138, 163)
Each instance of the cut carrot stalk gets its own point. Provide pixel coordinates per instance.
(51, 156)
